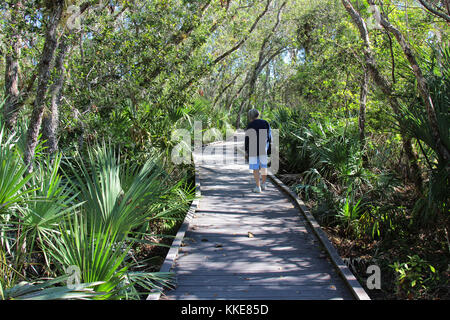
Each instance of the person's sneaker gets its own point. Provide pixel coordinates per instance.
(257, 190)
(264, 186)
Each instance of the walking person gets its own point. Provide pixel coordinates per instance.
(258, 138)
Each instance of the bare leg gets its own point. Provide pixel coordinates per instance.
(256, 175)
(264, 175)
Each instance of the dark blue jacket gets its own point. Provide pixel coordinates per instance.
(258, 134)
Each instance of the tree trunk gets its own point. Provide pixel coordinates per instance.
(386, 88)
(224, 89)
(43, 77)
(239, 115)
(50, 119)
(266, 89)
(362, 108)
(10, 110)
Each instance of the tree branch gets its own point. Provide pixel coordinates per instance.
(242, 41)
(438, 13)
(422, 86)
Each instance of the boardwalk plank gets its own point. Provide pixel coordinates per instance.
(268, 277)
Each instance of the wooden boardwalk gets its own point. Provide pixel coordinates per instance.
(240, 245)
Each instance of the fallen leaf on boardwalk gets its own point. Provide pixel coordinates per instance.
(205, 240)
(251, 235)
(219, 245)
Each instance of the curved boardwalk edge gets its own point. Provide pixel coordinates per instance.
(178, 240)
(171, 256)
(345, 273)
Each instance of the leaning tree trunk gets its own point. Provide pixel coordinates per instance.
(386, 88)
(43, 77)
(422, 86)
(50, 119)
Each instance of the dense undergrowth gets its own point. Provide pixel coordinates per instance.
(362, 197)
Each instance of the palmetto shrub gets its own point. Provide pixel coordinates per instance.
(12, 173)
(117, 201)
(124, 195)
(88, 216)
(289, 122)
(327, 154)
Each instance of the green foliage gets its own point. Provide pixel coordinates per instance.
(45, 207)
(96, 249)
(328, 155)
(124, 196)
(349, 212)
(91, 217)
(12, 173)
(45, 290)
(415, 278)
(415, 120)
(378, 221)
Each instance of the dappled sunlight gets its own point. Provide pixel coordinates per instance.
(242, 245)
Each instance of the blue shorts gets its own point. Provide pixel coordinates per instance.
(257, 163)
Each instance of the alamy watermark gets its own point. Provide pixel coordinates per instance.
(374, 20)
(74, 277)
(373, 281)
(75, 15)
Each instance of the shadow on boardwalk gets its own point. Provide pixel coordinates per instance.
(242, 245)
